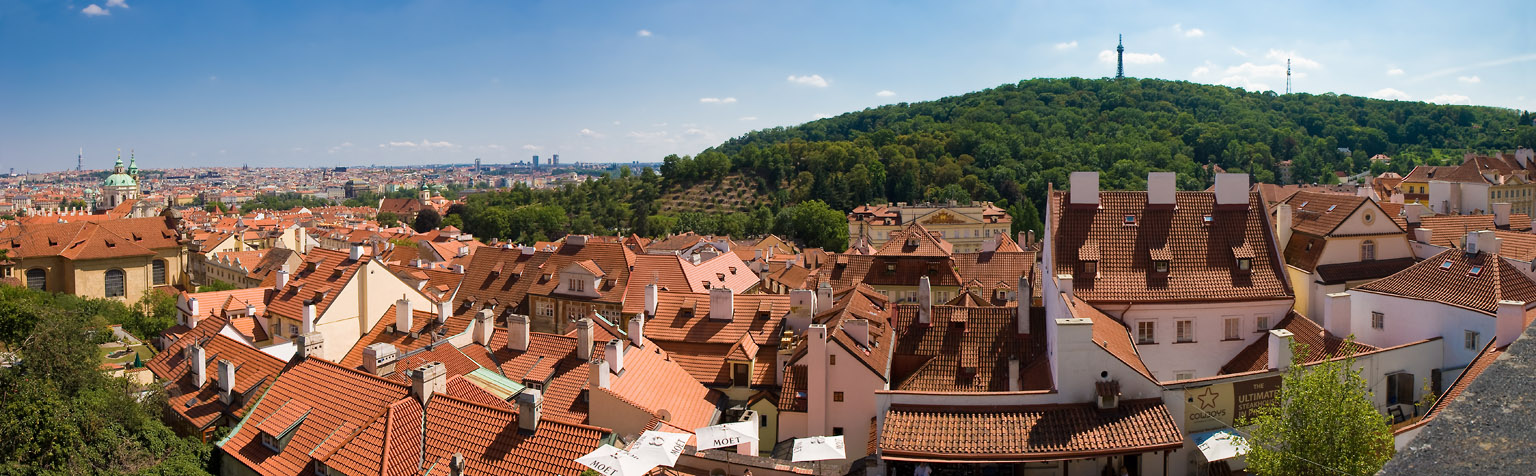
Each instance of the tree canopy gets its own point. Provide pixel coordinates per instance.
(1324, 423)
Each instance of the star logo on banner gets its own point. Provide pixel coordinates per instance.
(1207, 399)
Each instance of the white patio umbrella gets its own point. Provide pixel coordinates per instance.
(659, 448)
(611, 461)
(729, 434)
(817, 448)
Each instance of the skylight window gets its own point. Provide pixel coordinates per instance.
(1130, 220)
(1303, 205)
(1445, 266)
(1331, 207)
(1206, 220)
(1476, 270)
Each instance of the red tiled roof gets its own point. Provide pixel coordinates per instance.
(556, 356)
(1320, 345)
(915, 240)
(86, 240)
(928, 358)
(201, 406)
(1455, 285)
(673, 323)
(1201, 265)
(1450, 229)
(1320, 213)
(1027, 432)
(423, 323)
(491, 444)
(333, 270)
(1340, 273)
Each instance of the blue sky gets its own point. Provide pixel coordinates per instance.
(302, 83)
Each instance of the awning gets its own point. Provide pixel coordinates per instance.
(1218, 445)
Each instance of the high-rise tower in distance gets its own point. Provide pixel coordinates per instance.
(1120, 59)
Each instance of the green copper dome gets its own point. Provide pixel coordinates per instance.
(119, 180)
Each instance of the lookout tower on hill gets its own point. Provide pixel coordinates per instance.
(1120, 59)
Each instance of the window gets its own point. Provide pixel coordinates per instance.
(157, 271)
(1471, 340)
(270, 442)
(837, 396)
(1184, 331)
(1368, 217)
(1184, 375)
(115, 278)
(1445, 266)
(1160, 265)
(1378, 320)
(837, 431)
(1261, 324)
(1244, 264)
(1476, 270)
(1399, 388)
(1091, 268)
(763, 421)
(742, 374)
(1146, 332)
(37, 278)
(1130, 220)
(1367, 250)
(831, 359)
(1232, 329)
(576, 284)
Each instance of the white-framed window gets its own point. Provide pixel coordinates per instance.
(293, 330)
(1378, 320)
(1232, 326)
(1160, 266)
(1184, 330)
(1471, 340)
(1261, 323)
(1184, 375)
(1367, 250)
(1146, 332)
(577, 284)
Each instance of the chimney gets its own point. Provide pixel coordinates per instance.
(456, 465)
(816, 379)
(250, 310)
(428, 379)
(485, 325)
(924, 301)
(517, 332)
(1026, 298)
(311, 345)
(1064, 284)
(614, 354)
(1014, 382)
(443, 309)
(1501, 215)
(226, 381)
(530, 406)
(824, 299)
(307, 325)
(801, 303)
(1423, 235)
(1232, 189)
(721, 304)
(576, 240)
(1472, 242)
(637, 331)
(282, 278)
(1068, 341)
(1510, 322)
(650, 300)
(1280, 341)
(379, 358)
(1085, 188)
(858, 329)
(598, 374)
(1336, 314)
(197, 362)
(1489, 242)
(1283, 216)
(1413, 211)
(403, 316)
(584, 339)
(193, 312)
(1160, 188)
(357, 252)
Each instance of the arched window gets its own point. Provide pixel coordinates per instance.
(115, 278)
(157, 269)
(37, 278)
(1367, 250)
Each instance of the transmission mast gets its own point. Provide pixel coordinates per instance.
(1120, 59)
(1287, 75)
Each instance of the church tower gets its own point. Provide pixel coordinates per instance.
(1120, 59)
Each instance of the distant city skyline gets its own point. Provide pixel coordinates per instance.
(359, 83)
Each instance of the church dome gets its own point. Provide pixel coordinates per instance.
(119, 180)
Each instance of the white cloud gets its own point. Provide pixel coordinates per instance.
(1200, 71)
(616, 123)
(885, 93)
(591, 133)
(1239, 52)
(1449, 99)
(1066, 45)
(95, 11)
(1485, 64)
(821, 115)
(717, 100)
(747, 118)
(694, 131)
(1395, 72)
(117, 3)
(531, 147)
(1389, 93)
(643, 33)
(1296, 60)
(1190, 33)
(814, 80)
(1108, 57)
(339, 147)
(1469, 79)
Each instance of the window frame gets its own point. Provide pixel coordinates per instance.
(1378, 320)
(837, 397)
(1470, 338)
(1184, 331)
(43, 274)
(157, 272)
(1232, 328)
(1261, 323)
(122, 283)
(1368, 250)
(1146, 332)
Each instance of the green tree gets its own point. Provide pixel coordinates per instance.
(387, 219)
(815, 224)
(1322, 423)
(427, 220)
(216, 285)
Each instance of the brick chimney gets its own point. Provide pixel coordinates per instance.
(194, 313)
(598, 374)
(282, 278)
(517, 332)
(226, 381)
(379, 358)
(584, 342)
(816, 379)
(1510, 322)
(1501, 214)
(307, 324)
(456, 465)
(1015, 383)
(357, 252)
(650, 300)
(802, 303)
(1085, 188)
(311, 345)
(403, 316)
(1280, 348)
(614, 354)
(722, 303)
(924, 301)
(1283, 217)
(443, 309)
(530, 407)
(824, 299)
(427, 379)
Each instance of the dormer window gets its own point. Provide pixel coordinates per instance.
(890, 267)
(1160, 266)
(1245, 264)
(1091, 268)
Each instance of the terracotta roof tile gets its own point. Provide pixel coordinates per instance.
(1027, 432)
(1320, 345)
(928, 357)
(1433, 280)
(491, 444)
